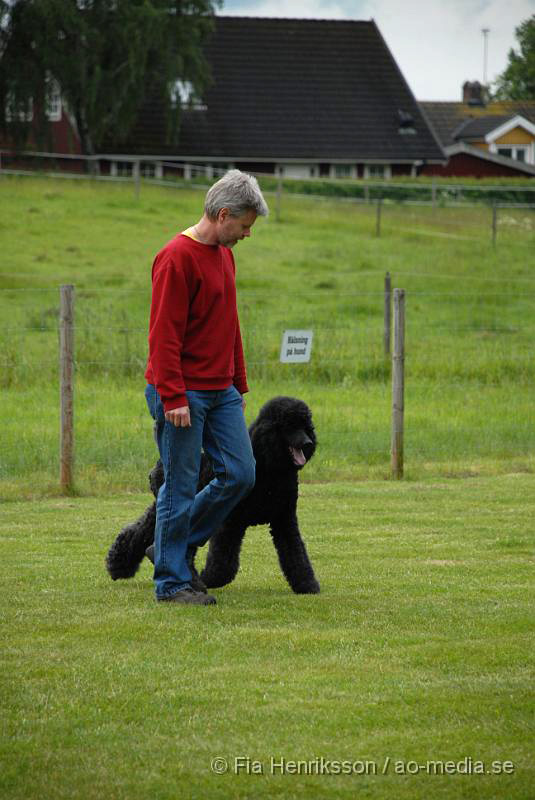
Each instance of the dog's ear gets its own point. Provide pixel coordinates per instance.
(264, 440)
(259, 431)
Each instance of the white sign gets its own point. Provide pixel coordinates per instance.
(296, 347)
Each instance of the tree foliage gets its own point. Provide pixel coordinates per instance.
(517, 82)
(105, 54)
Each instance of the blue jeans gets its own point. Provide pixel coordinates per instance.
(183, 517)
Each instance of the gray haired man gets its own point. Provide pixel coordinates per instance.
(196, 381)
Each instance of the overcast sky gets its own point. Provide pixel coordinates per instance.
(437, 44)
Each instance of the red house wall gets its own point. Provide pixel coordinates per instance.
(464, 165)
(61, 137)
(64, 136)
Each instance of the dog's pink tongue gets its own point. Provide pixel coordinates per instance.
(298, 456)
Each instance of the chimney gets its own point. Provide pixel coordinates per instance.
(473, 93)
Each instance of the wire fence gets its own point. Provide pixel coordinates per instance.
(174, 173)
(500, 215)
(468, 379)
(468, 347)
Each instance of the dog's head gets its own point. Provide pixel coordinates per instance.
(283, 434)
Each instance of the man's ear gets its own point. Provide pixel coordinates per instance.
(223, 214)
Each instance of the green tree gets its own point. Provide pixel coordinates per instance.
(104, 54)
(517, 82)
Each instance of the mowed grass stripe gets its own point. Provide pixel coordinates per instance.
(420, 647)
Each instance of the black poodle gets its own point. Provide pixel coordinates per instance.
(283, 440)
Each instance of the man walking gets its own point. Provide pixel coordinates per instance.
(196, 378)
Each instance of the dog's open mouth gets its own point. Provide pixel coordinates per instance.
(298, 456)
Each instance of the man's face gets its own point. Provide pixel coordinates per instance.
(231, 229)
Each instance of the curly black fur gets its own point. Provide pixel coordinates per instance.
(283, 440)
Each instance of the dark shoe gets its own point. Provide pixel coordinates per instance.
(196, 583)
(189, 597)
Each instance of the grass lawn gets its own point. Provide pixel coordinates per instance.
(447, 435)
(470, 330)
(419, 648)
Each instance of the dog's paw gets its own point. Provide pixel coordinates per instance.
(216, 580)
(310, 587)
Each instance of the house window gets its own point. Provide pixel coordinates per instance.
(53, 101)
(342, 170)
(517, 152)
(24, 112)
(18, 112)
(183, 95)
(122, 169)
(198, 171)
(406, 123)
(377, 171)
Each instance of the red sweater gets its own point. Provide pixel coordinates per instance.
(194, 332)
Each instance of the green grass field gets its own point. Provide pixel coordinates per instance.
(418, 649)
(470, 330)
(418, 653)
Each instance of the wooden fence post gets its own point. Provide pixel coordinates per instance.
(278, 199)
(388, 313)
(398, 383)
(137, 177)
(66, 369)
(378, 217)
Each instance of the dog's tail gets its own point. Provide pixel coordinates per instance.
(126, 553)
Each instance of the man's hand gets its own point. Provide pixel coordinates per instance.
(179, 417)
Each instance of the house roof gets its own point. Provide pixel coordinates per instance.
(298, 89)
(479, 127)
(447, 118)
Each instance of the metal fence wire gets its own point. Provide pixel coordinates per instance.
(353, 361)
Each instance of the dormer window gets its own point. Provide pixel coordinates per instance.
(406, 122)
(183, 95)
